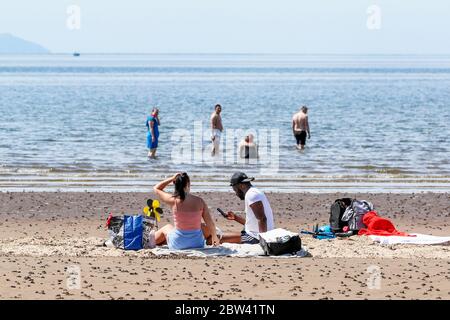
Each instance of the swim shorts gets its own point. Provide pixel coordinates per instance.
(216, 134)
(300, 136)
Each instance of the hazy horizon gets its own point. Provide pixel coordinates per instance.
(250, 27)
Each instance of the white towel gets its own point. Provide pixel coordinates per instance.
(418, 239)
(225, 249)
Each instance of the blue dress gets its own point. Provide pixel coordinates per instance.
(150, 144)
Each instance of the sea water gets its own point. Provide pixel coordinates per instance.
(378, 122)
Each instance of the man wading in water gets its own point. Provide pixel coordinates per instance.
(300, 127)
(216, 129)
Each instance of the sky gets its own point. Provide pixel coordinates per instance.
(233, 26)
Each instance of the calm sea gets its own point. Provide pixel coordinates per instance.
(378, 122)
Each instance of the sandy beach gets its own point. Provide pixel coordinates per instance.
(43, 234)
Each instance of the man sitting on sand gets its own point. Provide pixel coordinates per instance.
(258, 213)
(300, 127)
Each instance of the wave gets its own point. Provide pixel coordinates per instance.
(46, 180)
(206, 70)
(378, 169)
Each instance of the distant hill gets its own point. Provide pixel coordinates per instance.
(10, 44)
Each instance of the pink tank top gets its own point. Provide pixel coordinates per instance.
(187, 220)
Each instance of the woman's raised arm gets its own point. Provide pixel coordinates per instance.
(164, 196)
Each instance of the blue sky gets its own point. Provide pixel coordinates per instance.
(232, 26)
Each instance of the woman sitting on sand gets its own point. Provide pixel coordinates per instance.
(188, 211)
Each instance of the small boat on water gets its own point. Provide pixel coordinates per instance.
(76, 54)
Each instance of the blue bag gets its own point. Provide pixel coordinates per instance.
(132, 232)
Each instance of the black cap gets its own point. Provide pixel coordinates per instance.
(240, 177)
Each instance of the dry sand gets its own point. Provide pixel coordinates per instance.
(42, 234)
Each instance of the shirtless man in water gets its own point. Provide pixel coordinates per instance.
(216, 129)
(300, 127)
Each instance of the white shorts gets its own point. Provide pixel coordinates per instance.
(216, 134)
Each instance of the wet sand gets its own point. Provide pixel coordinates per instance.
(42, 234)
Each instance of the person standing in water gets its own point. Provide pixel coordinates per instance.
(300, 127)
(216, 129)
(152, 124)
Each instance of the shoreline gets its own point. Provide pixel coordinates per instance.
(311, 192)
(278, 181)
(320, 185)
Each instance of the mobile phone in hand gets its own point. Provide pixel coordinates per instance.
(222, 212)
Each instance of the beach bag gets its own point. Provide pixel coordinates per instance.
(131, 232)
(336, 212)
(353, 215)
(279, 241)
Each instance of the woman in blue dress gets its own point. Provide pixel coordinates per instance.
(152, 133)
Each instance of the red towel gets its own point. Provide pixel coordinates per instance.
(379, 226)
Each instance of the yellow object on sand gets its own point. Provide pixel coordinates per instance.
(153, 210)
(158, 218)
(155, 204)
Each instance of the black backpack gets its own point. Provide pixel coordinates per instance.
(336, 211)
(289, 245)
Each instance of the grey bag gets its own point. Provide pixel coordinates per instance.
(355, 212)
(115, 230)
